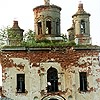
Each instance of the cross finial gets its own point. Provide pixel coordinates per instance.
(80, 6)
(80, 2)
(47, 2)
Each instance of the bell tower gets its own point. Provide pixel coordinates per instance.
(81, 24)
(47, 21)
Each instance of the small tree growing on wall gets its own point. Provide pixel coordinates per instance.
(4, 36)
(29, 38)
(14, 37)
(29, 35)
(9, 35)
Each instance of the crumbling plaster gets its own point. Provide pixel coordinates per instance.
(35, 65)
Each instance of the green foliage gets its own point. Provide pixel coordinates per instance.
(4, 35)
(29, 39)
(71, 43)
(12, 35)
(44, 41)
(47, 43)
(29, 36)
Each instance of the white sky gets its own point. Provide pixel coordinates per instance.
(22, 10)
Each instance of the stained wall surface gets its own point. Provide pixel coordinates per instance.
(35, 62)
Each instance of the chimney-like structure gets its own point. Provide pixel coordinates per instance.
(15, 25)
(15, 34)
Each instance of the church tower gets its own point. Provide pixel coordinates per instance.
(47, 21)
(80, 27)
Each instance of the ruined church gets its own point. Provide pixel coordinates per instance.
(53, 72)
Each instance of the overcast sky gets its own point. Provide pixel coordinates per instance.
(22, 10)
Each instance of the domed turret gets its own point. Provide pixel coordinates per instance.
(47, 21)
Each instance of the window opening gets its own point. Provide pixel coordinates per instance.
(39, 27)
(48, 27)
(21, 83)
(83, 81)
(82, 26)
(52, 80)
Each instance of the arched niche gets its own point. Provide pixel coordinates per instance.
(52, 80)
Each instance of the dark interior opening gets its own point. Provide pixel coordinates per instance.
(39, 28)
(52, 80)
(48, 27)
(20, 83)
(82, 26)
(83, 81)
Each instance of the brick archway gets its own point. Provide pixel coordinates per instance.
(55, 97)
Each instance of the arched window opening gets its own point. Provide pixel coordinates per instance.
(82, 26)
(52, 80)
(48, 26)
(39, 27)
